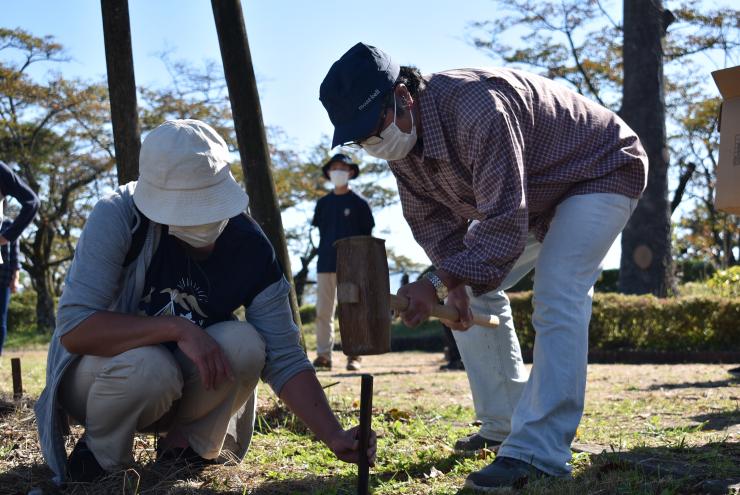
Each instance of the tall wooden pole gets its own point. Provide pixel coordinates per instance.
(119, 61)
(250, 131)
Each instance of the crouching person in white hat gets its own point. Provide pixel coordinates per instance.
(146, 338)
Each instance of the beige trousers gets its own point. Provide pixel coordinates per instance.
(113, 397)
(326, 303)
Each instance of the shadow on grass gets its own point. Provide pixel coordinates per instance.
(730, 382)
(418, 470)
(22, 478)
(145, 480)
(710, 468)
(719, 420)
(279, 417)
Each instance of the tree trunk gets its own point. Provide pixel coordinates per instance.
(41, 278)
(250, 131)
(122, 88)
(646, 265)
(45, 315)
(301, 278)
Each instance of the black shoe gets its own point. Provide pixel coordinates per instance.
(455, 365)
(504, 473)
(476, 442)
(82, 466)
(322, 363)
(184, 457)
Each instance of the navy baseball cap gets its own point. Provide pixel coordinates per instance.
(353, 91)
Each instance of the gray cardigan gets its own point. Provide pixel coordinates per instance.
(97, 281)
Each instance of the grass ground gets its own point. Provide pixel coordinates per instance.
(684, 413)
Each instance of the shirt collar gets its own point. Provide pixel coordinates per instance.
(432, 134)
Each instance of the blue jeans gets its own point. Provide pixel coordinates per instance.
(4, 302)
(537, 417)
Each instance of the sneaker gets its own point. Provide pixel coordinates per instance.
(82, 466)
(476, 442)
(503, 475)
(322, 363)
(353, 363)
(455, 365)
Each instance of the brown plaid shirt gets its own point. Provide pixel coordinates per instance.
(505, 147)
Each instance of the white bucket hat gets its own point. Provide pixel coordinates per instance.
(184, 176)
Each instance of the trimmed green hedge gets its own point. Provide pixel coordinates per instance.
(308, 313)
(22, 312)
(618, 322)
(648, 323)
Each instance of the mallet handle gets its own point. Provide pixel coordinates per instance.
(446, 312)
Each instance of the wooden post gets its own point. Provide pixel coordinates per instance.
(122, 88)
(366, 416)
(250, 131)
(15, 365)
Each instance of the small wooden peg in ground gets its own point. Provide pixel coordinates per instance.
(15, 364)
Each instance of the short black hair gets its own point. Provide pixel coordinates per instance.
(411, 77)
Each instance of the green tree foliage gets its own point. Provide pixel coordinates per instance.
(726, 283)
(54, 132)
(703, 232)
(192, 93)
(580, 43)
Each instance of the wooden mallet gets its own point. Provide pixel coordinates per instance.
(365, 301)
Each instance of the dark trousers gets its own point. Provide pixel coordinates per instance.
(451, 351)
(4, 301)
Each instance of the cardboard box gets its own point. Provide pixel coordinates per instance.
(727, 193)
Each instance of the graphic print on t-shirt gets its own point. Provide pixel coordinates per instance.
(184, 300)
(208, 291)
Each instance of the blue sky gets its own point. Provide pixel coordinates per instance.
(293, 43)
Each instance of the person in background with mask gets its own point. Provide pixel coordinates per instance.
(146, 337)
(551, 178)
(341, 213)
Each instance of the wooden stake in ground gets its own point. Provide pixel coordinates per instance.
(15, 365)
(366, 415)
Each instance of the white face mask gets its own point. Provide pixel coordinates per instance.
(396, 144)
(199, 235)
(339, 177)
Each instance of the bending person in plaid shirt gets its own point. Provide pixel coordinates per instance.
(549, 179)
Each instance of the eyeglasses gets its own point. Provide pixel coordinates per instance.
(375, 137)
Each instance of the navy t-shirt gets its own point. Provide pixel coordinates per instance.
(208, 291)
(338, 216)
